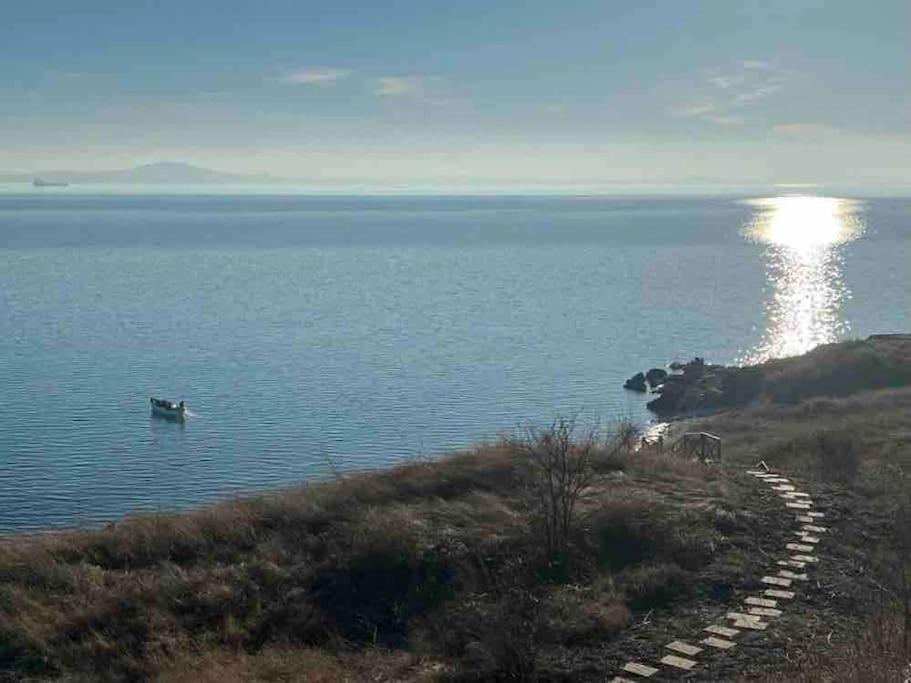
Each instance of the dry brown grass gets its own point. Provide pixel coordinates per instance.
(430, 569)
(442, 559)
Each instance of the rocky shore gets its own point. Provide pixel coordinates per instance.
(696, 387)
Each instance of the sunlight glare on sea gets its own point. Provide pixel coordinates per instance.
(803, 236)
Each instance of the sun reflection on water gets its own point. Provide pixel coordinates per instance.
(803, 236)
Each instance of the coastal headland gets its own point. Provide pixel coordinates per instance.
(558, 554)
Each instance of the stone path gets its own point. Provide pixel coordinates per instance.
(758, 611)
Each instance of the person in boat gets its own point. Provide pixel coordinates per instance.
(181, 407)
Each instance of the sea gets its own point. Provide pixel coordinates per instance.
(312, 335)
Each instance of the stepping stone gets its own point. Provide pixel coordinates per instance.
(719, 643)
(816, 514)
(797, 494)
(758, 473)
(776, 581)
(791, 563)
(798, 506)
(721, 631)
(765, 611)
(618, 679)
(678, 662)
(814, 529)
(640, 669)
(799, 547)
(684, 648)
(805, 558)
(783, 487)
(805, 519)
(775, 593)
(760, 602)
(777, 480)
(809, 539)
(791, 575)
(740, 616)
(752, 625)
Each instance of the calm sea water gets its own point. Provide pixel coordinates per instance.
(359, 332)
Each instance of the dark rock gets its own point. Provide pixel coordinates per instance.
(677, 366)
(655, 376)
(636, 383)
(665, 404)
(695, 368)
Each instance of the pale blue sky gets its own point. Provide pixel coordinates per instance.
(582, 93)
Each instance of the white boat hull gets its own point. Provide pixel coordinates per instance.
(177, 412)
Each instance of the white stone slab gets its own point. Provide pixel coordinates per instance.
(740, 616)
(721, 630)
(814, 529)
(805, 519)
(678, 662)
(798, 506)
(776, 581)
(791, 575)
(765, 611)
(806, 538)
(778, 594)
(783, 487)
(640, 669)
(684, 648)
(816, 514)
(800, 548)
(719, 643)
(804, 558)
(760, 602)
(797, 494)
(620, 679)
(791, 563)
(752, 625)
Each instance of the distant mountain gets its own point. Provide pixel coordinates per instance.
(162, 172)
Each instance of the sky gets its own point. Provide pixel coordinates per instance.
(582, 94)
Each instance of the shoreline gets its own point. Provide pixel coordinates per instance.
(446, 567)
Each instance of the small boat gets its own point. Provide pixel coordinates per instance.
(168, 408)
(41, 182)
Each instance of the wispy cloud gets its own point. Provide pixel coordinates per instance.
(320, 75)
(399, 85)
(727, 93)
(803, 130)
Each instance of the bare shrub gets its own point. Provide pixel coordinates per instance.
(562, 471)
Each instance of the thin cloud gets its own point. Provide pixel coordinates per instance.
(391, 86)
(803, 130)
(322, 75)
(727, 93)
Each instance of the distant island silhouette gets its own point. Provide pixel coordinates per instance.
(162, 172)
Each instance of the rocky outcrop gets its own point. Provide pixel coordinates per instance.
(655, 377)
(697, 386)
(636, 383)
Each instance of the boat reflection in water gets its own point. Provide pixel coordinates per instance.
(803, 237)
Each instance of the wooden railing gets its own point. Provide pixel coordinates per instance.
(702, 445)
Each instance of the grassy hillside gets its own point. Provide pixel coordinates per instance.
(458, 569)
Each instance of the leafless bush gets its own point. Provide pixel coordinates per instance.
(562, 471)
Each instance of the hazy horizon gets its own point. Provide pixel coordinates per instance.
(723, 95)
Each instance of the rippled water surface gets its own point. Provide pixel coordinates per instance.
(358, 332)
